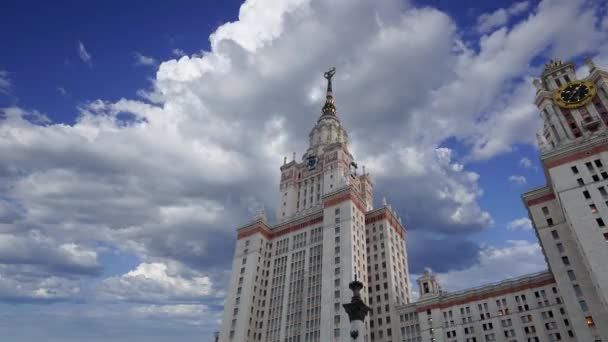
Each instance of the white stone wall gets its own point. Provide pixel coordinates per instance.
(502, 326)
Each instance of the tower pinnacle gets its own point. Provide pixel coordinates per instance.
(329, 108)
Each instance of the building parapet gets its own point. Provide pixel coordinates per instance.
(485, 291)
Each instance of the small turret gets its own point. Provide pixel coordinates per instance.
(428, 285)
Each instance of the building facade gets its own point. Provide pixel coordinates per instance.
(524, 309)
(570, 213)
(290, 279)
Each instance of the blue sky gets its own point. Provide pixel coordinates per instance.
(136, 137)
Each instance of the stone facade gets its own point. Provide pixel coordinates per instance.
(528, 308)
(570, 213)
(290, 279)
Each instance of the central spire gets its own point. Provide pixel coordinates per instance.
(329, 108)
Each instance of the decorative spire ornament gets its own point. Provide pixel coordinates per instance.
(329, 108)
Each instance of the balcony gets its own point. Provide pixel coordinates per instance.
(591, 123)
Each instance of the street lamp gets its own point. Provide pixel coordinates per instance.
(356, 309)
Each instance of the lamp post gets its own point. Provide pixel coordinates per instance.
(356, 309)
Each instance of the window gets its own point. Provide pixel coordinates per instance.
(589, 166)
(337, 230)
(336, 332)
(577, 290)
(606, 237)
(596, 178)
(337, 294)
(586, 194)
(602, 191)
(583, 305)
(600, 222)
(571, 275)
(560, 247)
(589, 321)
(598, 163)
(565, 260)
(580, 181)
(545, 211)
(337, 282)
(604, 174)
(593, 208)
(555, 234)
(549, 222)
(574, 170)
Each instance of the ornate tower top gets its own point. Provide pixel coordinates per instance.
(329, 108)
(328, 129)
(555, 65)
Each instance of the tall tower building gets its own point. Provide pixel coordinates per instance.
(570, 213)
(290, 279)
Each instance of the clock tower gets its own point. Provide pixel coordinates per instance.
(572, 110)
(570, 213)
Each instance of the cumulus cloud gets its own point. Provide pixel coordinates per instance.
(5, 82)
(489, 21)
(517, 179)
(518, 257)
(84, 55)
(25, 285)
(168, 179)
(156, 282)
(144, 60)
(523, 223)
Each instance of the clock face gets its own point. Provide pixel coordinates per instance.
(312, 162)
(574, 94)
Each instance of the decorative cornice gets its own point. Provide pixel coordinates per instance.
(385, 214)
(541, 199)
(487, 291)
(555, 65)
(279, 230)
(575, 152)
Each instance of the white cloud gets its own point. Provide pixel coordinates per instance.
(178, 52)
(518, 257)
(84, 55)
(156, 282)
(488, 21)
(523, 223)
(5, 82)
(195, 314)
(144, 60)
(517, 179)
(62, 91)
(526, 163)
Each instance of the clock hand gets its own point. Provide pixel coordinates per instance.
(572, 93)
(580, 93)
